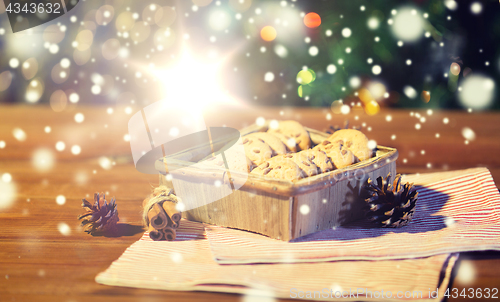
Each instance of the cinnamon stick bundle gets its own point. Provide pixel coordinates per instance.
(160, 214)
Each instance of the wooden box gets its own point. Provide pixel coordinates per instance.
(282, 209)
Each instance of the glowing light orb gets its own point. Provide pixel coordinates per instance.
(468, 134)
(6, 177)
(64, 229)
(268, 33)
(408, 25)
(373, 23)
(79, 117)
(14, 63)
(60, 146)
(466, 274)
(372, 145)
(331, 69)
(75, 150)
(372, 108)
(354, 82)
(312, 20)
(304, 209)
(65, 63)
(2, 144)
(476, 8)
(281, 51)
(260, 121)
(105, 163)
(273, 124)
(346, 32)
(451, 4)
(8, 193)
(313, 51)
(410, 92)
(305, 77)
(345, 109)
(376, 69)
(74, 97)
(477, 92)
(60, 200)
(219, 20)
(43, 160)
(19, 134)
(269, 76)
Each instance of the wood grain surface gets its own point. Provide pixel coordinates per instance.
(39, 263)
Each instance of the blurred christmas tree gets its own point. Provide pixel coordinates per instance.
(421, 53)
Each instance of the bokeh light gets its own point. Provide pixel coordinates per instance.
(346, 32)
(60, 200)
(19, 134)
(410, 92)
(305, 76)
(477, 92)
(219, 20)
(468, 134)
(43, 160)
(8, 194)
(268, 33)
(372, 108)
(312, 20)
(476, 8)
(331, 68)
(408, 25)
(64, 229)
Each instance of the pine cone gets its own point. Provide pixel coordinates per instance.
(391, 205)
(100, 217)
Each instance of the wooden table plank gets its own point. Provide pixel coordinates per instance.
(38, 263)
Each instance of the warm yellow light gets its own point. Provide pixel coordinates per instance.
(268, 33)
(372, 108)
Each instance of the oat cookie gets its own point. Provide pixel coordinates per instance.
(274, 142)
(341, 156)
(320, 159)
(290, 144)
(257, 150)
(304, 163)
(279, 168)
(355, 141)
(296, 131)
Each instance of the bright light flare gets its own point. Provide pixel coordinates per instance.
(192, 83)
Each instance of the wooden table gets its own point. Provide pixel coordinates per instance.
(39, 263)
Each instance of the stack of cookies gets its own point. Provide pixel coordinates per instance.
(287, 153)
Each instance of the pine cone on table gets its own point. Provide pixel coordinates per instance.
(391, 205)
(100, 217)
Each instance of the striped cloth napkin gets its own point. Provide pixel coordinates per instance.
(456, 214)
(187, 264)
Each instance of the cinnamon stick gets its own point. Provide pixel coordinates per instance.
(168, 233)
(157, 217)
(171, 211)
(155, 234)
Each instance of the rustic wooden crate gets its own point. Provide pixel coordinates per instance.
(282, 209)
